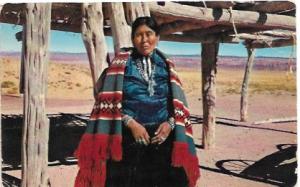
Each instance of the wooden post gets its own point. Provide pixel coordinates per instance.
(245, 85)
(1, 71)
(22, 66)
(94, 39)
(136, 9)
(120, 28)
(209, 71)
(0, 126)
(35, 124)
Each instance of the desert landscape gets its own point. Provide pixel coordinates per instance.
(245, 155)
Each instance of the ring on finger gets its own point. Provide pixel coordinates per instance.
(162, 138)
(143, 141)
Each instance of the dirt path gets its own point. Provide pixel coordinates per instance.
(245, 154)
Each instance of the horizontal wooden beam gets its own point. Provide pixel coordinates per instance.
(230, 37)
(219, 4)
(209, 4)
(273, 6)
(181, 26)
(223, 16)
(199, 39)
(275, 33)
(246, 36)
(197, 24)
(270, 44)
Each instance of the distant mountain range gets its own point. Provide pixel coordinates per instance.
(189, 61)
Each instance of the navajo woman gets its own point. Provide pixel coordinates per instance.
(139, 133)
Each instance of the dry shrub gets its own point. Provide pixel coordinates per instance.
(13, 90)
(7, 84)
(229, 81)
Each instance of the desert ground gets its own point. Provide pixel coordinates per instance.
(245, 155)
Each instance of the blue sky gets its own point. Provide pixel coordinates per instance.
(72, 42)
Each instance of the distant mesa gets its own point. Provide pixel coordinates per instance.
(185, 61)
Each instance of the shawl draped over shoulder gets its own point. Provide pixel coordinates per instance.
(102, 139)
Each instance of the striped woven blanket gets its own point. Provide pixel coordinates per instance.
(102, 139)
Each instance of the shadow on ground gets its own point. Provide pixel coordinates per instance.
(196, 119)
(10, 181)
(65, 133)
(277, 168)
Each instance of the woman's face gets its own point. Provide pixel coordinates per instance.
(145, 40)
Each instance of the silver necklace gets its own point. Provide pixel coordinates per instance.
(147, 71)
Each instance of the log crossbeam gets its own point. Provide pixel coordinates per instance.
(222, 16)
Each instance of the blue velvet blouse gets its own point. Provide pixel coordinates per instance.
(147, 108)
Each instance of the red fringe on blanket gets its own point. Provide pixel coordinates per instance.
(92, 153)
(182, 158)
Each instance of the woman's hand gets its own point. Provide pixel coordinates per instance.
(139, 132)
(161, 133)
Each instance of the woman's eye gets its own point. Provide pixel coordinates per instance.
(138, 35)
(149, 34)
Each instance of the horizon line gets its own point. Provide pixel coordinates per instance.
(170, 54)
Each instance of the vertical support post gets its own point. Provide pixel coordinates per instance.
(94, 39)
(36, 124)
(1, 71)
(209, 71)
(120, 29)
(245, 85)
(0, 126)
(22, 77)
(134, 10)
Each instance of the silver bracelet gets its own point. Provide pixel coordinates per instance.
(126, 119)
(171, 122)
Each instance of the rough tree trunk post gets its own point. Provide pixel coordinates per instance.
(94, 39)
(245, 85)
(120, 28)
(1, 5)
(209, 71)
(0, 127)
(134, 10)
(22, 66)
(35, 124)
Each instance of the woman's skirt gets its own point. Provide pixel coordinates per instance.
(145, 166)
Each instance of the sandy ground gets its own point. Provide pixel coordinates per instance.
(238, 145)
(245, 155)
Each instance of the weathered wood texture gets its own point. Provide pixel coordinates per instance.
(1, 73)
(223, 16)
(245, 85)
(22, 64)
(120, 29)
(134, 10)
(219, 4)
(273, 6)
(279, 120)
(36, 124)
(287, 34)
(209, 72)
(0, 128)
(273, 43)
(94, 39)
(210, 38)
(180, 26)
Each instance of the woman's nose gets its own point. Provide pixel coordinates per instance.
(144, 38)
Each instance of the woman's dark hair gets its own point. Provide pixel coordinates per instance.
(148, 21)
